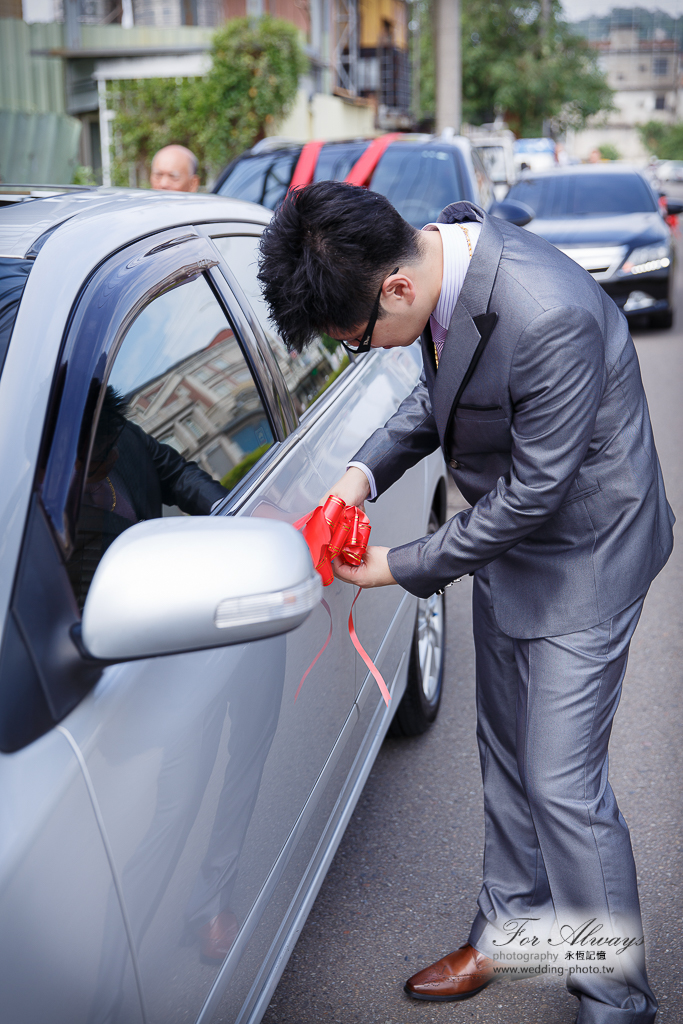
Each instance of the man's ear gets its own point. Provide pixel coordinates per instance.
(399, 288)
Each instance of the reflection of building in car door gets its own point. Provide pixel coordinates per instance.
(181, 423)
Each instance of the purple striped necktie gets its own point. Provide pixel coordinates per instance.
(438, 336)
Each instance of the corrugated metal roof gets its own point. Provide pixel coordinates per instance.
(30, 84)
(39, 148)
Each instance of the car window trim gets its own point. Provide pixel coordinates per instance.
(257, 329)
(60, 505)
(281, 396)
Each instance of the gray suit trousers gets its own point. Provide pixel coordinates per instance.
(557, 847)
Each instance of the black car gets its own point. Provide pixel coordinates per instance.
(610, 221)
(419, 174)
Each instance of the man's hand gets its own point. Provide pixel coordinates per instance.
(353, 488)
(372, 572)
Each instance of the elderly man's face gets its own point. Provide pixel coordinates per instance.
(172, 170)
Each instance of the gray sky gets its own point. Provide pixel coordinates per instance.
(575, 10)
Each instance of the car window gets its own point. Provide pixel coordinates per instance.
(483, 183)
(307, 375)
(584, 195)
(419, 180)
(494, 162)
(336, 160)
(181, 423)
(13, 277)
(261, 179)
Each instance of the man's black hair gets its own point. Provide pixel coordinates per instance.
(324, 256)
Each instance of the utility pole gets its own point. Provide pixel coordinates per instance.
(448, 64)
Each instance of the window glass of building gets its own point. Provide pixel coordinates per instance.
(181, 423)
(307, 375)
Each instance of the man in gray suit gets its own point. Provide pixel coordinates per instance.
(532, 389)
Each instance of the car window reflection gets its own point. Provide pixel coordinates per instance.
(181, 423)
(307, 374)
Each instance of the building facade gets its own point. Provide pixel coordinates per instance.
(640, 53)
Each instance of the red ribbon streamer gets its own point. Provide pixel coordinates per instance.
(331, 530)
(366, 658)
(322, 649)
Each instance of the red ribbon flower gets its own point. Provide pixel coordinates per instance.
(331, 530)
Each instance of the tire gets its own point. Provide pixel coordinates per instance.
(662, 321)
(420, 703)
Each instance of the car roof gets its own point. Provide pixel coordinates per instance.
(579, 169)
(24, 224)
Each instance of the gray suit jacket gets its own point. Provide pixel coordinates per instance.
(540, 411)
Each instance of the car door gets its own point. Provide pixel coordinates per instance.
(332, 434)
(58, 907)
(206, 767)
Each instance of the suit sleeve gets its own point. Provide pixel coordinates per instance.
(407, 437)
(556, 383)
(183, 483)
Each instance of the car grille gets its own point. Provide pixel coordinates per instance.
(599, 260)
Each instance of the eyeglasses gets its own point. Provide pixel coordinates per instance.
(364, 345)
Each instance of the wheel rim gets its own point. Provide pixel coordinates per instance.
(430, 643)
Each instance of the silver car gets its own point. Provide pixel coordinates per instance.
(185, 727)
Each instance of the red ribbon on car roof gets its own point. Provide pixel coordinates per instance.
(331, 530)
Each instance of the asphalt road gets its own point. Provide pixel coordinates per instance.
(402, 889)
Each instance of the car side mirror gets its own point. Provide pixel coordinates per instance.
(674, 207)
(187, 584)
(512, 211)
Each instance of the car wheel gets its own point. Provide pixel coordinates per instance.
(420, 703)
(662, 321)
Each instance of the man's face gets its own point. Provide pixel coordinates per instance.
(405, 314)
(172, 170)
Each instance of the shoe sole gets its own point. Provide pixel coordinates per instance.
(447, 999)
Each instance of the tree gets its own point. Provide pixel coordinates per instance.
(664, 140)
(254, 75)
(527, 65)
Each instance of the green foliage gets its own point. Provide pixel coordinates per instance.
(664, 140)
(423, 62)
(333, 376)
(83, 175)
(530, 71)
(256, 64)
(151, 113)
(233, 477)
(609, 152)
(253, 81)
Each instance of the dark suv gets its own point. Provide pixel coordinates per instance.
(419, 174)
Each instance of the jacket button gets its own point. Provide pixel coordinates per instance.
(453, 464)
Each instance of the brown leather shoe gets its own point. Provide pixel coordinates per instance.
(459, 975)
(217, 937)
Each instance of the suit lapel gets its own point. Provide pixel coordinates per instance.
(458, 351)
(428, 359)
(471, 325)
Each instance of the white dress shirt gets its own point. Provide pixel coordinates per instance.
(456, 260)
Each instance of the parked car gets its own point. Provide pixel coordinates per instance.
(669, 170)
(419, 174)
(534, 155)
(496, 149)
(184, 725)
(608, 219)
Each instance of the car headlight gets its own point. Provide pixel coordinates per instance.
(647, 258)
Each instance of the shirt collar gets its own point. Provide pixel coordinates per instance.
(456, 261)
